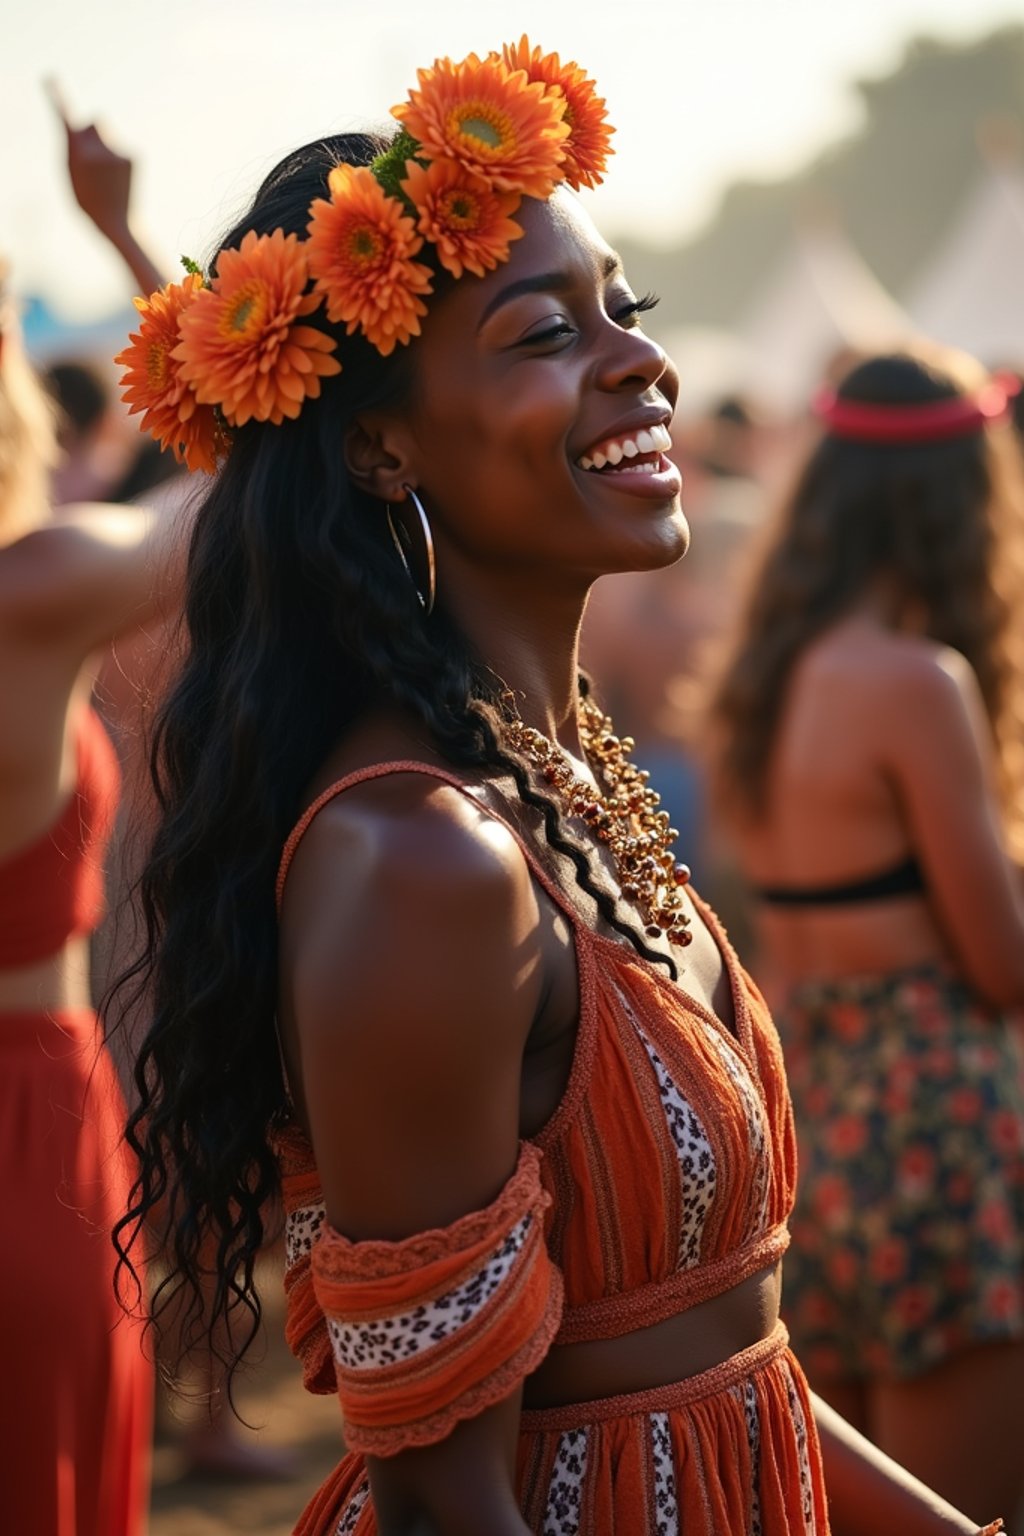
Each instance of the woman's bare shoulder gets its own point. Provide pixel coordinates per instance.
(924, 672)
(403, 823)
(885, 662)
(407, 861)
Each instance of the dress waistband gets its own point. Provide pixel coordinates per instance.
(612, 1316)
(677, 1394)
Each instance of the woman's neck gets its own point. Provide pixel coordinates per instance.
(885, 602)
(532, 647)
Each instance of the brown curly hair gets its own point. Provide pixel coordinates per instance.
(945, 518)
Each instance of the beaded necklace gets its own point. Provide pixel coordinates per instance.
(626, 818)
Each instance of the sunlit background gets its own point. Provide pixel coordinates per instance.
(207, 96)
(797, 179)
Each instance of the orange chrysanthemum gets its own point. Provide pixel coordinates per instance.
(153, 381)
(588, 145)
(240, 345)
(361, 246)
(469, 225)
(492, 120)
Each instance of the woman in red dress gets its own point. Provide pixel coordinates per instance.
(75, 1408)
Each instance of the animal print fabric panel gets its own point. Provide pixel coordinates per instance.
(373, 1343)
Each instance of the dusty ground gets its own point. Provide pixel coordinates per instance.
(273, 1399)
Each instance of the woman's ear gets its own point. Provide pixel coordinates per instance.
(378, 458)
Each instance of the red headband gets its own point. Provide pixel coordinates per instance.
(865, 421)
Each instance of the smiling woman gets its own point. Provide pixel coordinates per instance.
(525, 1109)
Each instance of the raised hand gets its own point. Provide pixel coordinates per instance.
(101, 180)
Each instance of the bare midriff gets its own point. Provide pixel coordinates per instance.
(59, 981)
(691, 1342)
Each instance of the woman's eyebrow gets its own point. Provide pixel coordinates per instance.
(543, 282)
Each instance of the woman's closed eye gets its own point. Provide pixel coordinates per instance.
(626, 314)
(557, 327)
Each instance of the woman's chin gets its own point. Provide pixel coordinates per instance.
(665, 540)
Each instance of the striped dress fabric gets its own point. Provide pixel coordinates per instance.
(665, 1177)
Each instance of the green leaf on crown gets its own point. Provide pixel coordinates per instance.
(389, 168)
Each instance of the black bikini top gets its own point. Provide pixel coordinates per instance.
(905, 879)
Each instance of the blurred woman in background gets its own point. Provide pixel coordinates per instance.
(76, 1405)
(867, 745)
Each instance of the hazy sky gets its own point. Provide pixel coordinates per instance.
(208, 94)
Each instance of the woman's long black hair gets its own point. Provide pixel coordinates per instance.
(943, 518)
(298, 617)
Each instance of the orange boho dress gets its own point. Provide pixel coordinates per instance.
(76, 1392)
(664, 1178)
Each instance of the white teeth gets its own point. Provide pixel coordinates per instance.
(655, 439)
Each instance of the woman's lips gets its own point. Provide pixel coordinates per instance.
(654, 476)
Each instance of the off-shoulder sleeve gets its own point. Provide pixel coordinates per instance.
(436, 1328)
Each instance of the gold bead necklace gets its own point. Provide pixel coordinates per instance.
(626, 818)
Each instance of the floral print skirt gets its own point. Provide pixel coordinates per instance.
(908, 1233)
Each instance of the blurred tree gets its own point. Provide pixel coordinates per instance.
(895, 184)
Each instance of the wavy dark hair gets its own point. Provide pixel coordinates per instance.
(944, 518)
(298, 617)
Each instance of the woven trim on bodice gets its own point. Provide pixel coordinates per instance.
(611, 1316)
(665, 1399)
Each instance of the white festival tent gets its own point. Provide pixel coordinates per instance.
(971, 294)
(819, 302)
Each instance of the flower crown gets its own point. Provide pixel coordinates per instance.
(475, 138)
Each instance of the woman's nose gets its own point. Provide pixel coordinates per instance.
(633, 358)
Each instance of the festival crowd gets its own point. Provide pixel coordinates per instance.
(342, 934)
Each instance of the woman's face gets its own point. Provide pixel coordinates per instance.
(523, 377)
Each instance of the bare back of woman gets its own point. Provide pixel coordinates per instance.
(884, 756)
(866, 761)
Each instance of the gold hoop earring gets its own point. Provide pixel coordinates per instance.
(426, 603)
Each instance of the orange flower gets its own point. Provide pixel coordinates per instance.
(490, 119)
(240, 345)
(361, 246)
(588, 147)
(467, 222)
(153, 381)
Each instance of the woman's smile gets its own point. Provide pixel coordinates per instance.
(635, 460)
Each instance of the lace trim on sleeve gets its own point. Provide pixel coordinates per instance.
(436, 1328)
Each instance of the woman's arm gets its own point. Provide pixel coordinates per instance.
(869, 1494)
(410, 944)
(940, 755)
(94, 574)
